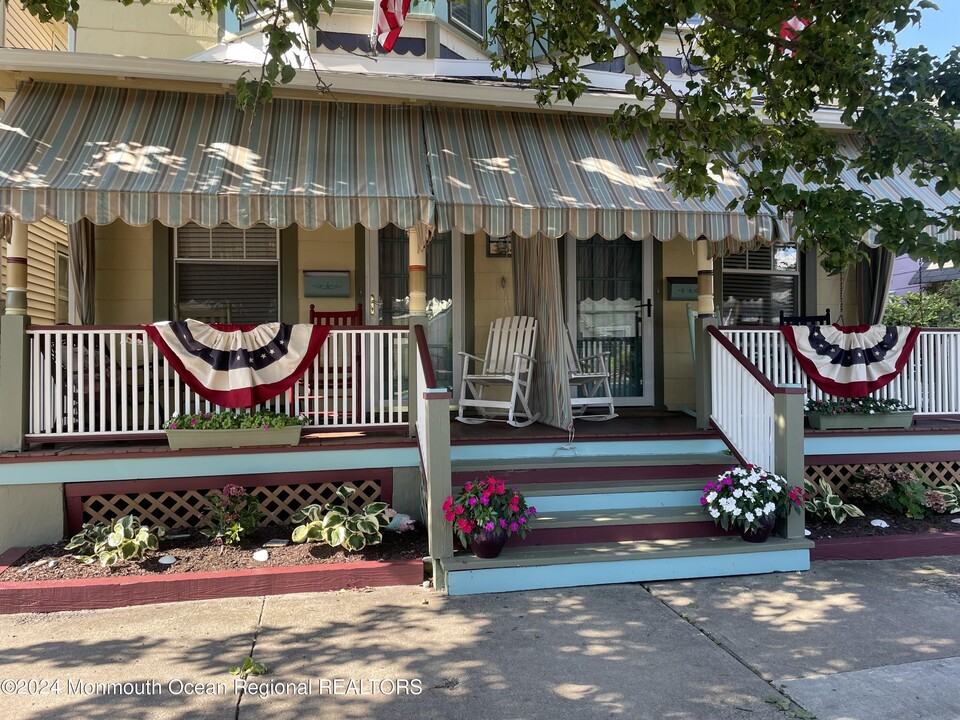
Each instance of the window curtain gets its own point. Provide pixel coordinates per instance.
(80, 236)
(876, 272)
(538, 293)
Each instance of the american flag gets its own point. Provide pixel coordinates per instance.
(390, 15)
(789, 29)
(238, 366)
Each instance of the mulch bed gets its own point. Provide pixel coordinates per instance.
(898, 525)
(195, 553)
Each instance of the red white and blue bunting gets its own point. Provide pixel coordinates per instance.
(851, 361)
(238, 366)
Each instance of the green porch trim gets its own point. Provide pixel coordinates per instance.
(289, 276)
(14, 381)
(162, 268)
(656, 292)
(51, 470)
(360, 268)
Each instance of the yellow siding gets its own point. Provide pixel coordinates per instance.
(23, 30)
(828, 296)
(124, 281)
(142, 30)
(493, 291)
(327, 248)
(679, 260)
(44, 239)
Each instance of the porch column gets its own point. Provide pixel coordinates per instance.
(14, 351)
(416, 315)
(706, 317)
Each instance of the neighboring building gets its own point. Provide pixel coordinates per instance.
(48, 266)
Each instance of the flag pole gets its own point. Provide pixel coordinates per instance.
(373, 27)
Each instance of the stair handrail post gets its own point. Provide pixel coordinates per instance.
(703, 370)
(788, 457)
(14, 381)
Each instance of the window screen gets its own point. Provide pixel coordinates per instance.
(228, 274)
(758, 284)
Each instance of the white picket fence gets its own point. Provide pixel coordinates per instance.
(930, 382)
(88, 382)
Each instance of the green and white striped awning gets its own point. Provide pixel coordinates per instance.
(529, 173)
(72, 151)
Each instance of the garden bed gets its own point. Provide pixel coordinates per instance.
(857, 539)
(55, 581)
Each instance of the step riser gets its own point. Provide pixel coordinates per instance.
(494, 580)
(617, 533)
(587, 474)
(615, 501)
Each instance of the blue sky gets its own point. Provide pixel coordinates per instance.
(939, 30)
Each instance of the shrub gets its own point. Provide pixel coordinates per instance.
(234, 513)
(903, 492)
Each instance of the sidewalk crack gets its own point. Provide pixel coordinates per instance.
(253, 646)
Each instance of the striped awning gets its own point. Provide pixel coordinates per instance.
(529, 173)
(72, 151)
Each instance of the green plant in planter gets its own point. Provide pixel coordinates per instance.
(822, 502)
(234, 513)
(335, 525)
(856, 406)
(124, 539)
(230, 420)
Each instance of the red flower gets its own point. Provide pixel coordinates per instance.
(447, 504)
(458, 509)
(449, 516)
(466, 526)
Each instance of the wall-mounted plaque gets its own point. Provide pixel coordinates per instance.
(326, 283)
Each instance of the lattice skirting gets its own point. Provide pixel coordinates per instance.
(841, 477)
(187, 508)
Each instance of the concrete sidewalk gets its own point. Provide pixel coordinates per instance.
(707, 649)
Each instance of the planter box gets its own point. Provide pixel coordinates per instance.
(860, 421)
(247, 437)
(99, 593)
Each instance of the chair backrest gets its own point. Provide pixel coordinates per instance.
(509, 335)
(573, 358)
(805, 319)
(338, 318)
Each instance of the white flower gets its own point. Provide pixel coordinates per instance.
(714, 513)
(737, 512)
(711, 497)
(769, 508)
(749, 516)
(738, 493)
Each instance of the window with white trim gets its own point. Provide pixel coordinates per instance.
(758, 284)
(469, 15)
(226, 274)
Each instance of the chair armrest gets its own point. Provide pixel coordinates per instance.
(466, 354)
(525, 357)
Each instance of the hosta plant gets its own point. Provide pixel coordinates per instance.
(337, 526)
(822, 502)
(124, 539)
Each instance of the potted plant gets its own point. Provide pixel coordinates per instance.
(751, 499)
(486, 513)
(232, 429)
(858, 413)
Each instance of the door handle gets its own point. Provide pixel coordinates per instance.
(373, 305)
(648, 305)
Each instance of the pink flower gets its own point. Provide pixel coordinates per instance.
(266, 427)
(447, 504)
(449, 516)
(513, 527)
(232, 490)
(521, 520)
(489, 526)
(466, 526)
(472, 501)
(458, 509)
(703, 501)
(173, 426)
(485, 500)
(503, 523)
(193, 421)
(468, 487)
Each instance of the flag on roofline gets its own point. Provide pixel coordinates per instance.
(389, 16)
(789, 29)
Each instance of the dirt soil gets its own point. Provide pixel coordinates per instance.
(195, 553)
(899, 525)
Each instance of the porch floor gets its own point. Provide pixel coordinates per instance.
(631, 425)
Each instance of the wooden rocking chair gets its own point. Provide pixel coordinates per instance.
(590, 395)
(344, 373)
(508, 363)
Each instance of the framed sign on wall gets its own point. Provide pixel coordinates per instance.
(500, 247)
(326, 283)
(682, 288)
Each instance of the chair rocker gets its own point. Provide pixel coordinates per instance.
(590, 395)
(508, 363)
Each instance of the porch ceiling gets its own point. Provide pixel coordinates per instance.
(74, 151)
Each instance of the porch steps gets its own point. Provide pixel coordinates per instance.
(612, 519)
(555, 566)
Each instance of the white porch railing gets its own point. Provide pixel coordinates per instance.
(742, 405)
(930, 382)
(88, 382)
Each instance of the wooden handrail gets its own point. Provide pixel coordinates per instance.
(423, 350)
(749, 366)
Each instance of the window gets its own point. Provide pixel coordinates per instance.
(63, 288)
(227, 274)
(758, 284)
(469, 15)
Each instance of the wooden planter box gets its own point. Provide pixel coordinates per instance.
(860, 421)
(247, 437)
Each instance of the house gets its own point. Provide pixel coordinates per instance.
(426, 191)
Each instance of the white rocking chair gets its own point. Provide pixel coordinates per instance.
(508, 363)
(590, 395)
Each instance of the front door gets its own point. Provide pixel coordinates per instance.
(388, 258)
(609, 288)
